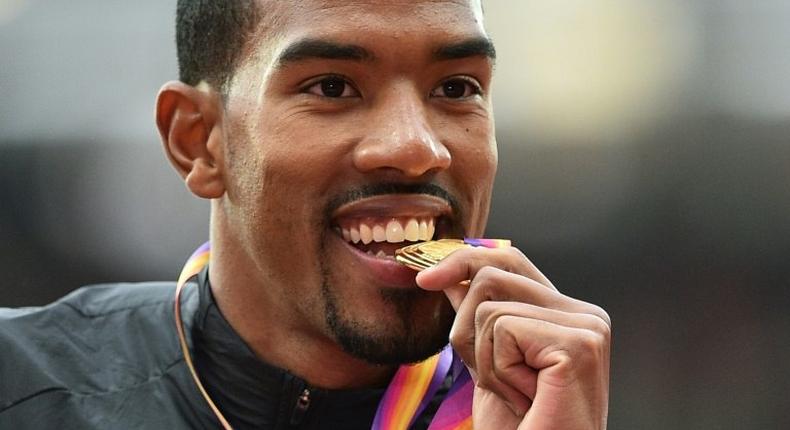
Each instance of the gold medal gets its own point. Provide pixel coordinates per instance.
(423, 255)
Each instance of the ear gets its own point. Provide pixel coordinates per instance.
(189, 121)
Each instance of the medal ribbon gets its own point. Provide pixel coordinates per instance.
(409, 392)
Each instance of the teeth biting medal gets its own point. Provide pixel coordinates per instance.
(423, 255)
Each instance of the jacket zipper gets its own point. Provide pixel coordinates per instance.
(300, 409)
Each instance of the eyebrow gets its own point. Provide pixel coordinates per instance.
(475, 47)
(306, 49)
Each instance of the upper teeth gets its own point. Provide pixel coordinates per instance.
(393, 231)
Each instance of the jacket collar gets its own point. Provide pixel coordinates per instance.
(255, 394)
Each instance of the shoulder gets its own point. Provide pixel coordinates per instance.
(95, 344)
(100, 310)
(108, 299)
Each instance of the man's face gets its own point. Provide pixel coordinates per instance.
(366, 122)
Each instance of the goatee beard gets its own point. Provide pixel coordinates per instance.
(388, 345)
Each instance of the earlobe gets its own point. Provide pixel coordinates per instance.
(189, 125)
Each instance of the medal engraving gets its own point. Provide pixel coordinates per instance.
(423, 255)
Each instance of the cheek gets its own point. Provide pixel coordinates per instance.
(261, 196)
(470, 139)
(481, 186)
(474, 168)
(309, 147)
(474, 155)
(282, 193)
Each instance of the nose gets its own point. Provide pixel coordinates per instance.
(399, 136)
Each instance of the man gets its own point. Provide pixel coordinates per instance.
(326, 134)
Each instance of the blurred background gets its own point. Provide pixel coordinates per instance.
(644, 166)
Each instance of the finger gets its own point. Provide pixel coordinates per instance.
(456, 294)
(464, 264)
(493, 284)
(501, 370)
(571, 363)
(500, 365)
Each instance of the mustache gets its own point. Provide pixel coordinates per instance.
(371, 190)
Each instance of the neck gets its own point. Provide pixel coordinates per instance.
(256, 312)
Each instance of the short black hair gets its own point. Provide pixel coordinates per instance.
(210, 37)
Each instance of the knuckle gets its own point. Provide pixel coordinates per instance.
(502, 325)
(485, 380)
(515, 253)
(591, 342)
(602, 314)
(484, 281)
(499, 373)
(486, 274)
(462, 342)
(563, 359)
(604, 330)
(483, 312)
(600, 327)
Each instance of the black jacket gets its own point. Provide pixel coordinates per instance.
(107, 357)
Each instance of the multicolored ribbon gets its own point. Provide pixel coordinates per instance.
(196, 262)
(411, 389)
(455, 412)
(487, 243)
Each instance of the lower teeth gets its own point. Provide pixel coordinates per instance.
(379, 254)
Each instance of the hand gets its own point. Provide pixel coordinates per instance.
(539, 359)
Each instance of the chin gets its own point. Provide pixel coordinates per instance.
(415, 327)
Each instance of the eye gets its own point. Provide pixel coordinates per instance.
(332, 87)
(457, 88)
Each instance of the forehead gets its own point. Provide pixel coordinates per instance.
(406, 24)
(451, 12)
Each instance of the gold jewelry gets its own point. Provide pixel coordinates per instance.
(423, 255)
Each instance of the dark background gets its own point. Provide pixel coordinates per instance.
(644, 163)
